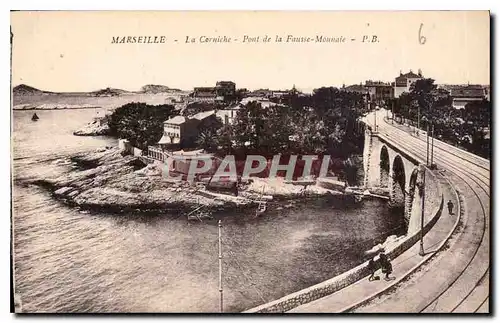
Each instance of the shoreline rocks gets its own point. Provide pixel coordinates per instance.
(95, 128)
(104, 180)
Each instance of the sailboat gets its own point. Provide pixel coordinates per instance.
(34, 117)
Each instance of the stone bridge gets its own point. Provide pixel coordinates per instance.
(401, 175)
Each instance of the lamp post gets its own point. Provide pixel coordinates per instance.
(427, 155)
(392, 112)
(220, 267)
(422, 252)
(418, 119)
(432, 145)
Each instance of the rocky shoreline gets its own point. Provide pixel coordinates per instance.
(52, 106)
(104, 180)
(93, 129)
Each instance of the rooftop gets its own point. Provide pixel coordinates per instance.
(376, 83)
(355, 88)
(202, 115)
(471, 91)
(176, 120)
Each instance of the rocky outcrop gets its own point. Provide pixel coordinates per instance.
(52, 106)
(279, 188)
(106, 180)
(95, 128)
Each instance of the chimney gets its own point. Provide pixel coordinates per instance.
(400, 73)
(419, 72)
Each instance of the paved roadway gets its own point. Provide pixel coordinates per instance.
(457, 280)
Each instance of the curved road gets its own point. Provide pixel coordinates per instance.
(457, 280)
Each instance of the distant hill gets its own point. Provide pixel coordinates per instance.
(108, 92)
(24, 89)
(153, 88)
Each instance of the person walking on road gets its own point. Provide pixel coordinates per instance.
(372, 267)
(450, 207)
(386, 266)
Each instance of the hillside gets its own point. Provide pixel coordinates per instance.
(153, 88)
(24, 89)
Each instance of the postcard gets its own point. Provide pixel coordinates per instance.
(250, 161)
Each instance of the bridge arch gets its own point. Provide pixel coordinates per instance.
(413, 181)
(398, 177)
(385, 166)
(410, 197)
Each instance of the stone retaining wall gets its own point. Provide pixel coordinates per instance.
(335, 284)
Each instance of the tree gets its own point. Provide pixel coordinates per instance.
(339, 111)
(224, 139)
(206, 140)
(478, 113)
(140, 123)
(477, 117)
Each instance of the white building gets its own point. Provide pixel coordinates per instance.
(228, 114)
(404, 81)
(172, 130)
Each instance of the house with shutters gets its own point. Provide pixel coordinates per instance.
(404, 82)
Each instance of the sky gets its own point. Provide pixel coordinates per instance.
(69, 51)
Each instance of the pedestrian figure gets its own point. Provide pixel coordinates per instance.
(372, 267)
(386, 265)
(450, 207)
(235, 189)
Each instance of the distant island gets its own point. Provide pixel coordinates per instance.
(23, 89)
(25, 97)
(153, 88)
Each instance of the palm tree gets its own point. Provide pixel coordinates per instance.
(206, 140)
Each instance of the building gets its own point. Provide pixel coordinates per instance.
(467, 94)
(487, 89)
(379, 91)
(182, 132)
(357, 88)
(174, 131)
(403, 82)
(264, 102)
(226, 89)
(101, 119)
(261, 93)
(228, 115)
(205, 94)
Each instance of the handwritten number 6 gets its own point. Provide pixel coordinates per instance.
(421, 38)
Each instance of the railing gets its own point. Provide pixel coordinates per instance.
(156, 153)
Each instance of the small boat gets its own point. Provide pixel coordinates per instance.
(199, 214)
(34, 117)
(261, 208)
